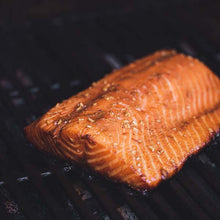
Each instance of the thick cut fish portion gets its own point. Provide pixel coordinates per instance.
(138, 124)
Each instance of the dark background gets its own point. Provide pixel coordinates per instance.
(50, 50)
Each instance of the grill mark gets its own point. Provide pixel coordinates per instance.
(183, 124)
(95, 116)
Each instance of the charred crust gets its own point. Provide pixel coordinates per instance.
(155, 76)
(89, 139)
(97, 115)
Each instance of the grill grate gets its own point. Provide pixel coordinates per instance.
(43, 63)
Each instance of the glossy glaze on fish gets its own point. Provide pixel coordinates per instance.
(138, 124)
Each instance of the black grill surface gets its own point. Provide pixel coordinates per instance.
(44, 62)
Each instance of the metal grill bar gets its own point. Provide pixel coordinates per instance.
(138, 204)
(193, 209)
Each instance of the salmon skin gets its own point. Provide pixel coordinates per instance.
(139, 124)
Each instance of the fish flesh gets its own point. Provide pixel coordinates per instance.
(139, 124)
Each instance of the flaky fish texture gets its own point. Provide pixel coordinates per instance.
(139, 124)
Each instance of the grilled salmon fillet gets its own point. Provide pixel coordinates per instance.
(138, 124)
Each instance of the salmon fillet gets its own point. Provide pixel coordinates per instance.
(139, 124)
